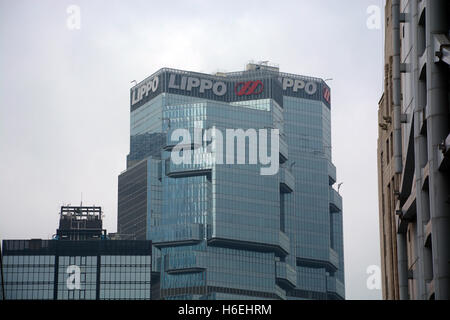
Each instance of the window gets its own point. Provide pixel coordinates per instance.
(392, 145)
(387, 151)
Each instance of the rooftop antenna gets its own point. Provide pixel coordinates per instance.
(339, 186)
(292, 164)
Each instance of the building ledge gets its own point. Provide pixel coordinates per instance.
(177, 235)
(330, 266)
(279, 250)
(187, 270)
(187, 170)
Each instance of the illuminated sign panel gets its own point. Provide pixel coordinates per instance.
(306, 89)
(219, 88)
(249, 88)
(142, 92)
(227, 89)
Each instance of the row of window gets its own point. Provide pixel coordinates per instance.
(28, 260)
(129, 276)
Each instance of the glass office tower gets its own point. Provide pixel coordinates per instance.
(223, 230)
(107, 269)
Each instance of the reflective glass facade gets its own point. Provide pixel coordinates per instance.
(88, 277)
(108, 270)
(29, 277)
(125, 277)
(224, 231)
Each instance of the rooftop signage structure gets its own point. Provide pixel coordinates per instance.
(250, 85)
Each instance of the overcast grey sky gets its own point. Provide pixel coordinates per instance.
(64, 96)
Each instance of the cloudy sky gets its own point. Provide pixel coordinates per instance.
(64, 96)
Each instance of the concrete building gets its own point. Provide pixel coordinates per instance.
(225, 231)
(387, 179)
(414, 151)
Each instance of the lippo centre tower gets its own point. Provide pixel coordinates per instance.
(231, 177)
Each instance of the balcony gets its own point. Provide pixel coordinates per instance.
(286, 275)
(287, 181)
(335, 201)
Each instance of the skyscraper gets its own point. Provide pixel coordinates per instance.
(414, 151)
(225, 226)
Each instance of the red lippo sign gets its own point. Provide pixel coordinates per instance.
(249, 88)
(327, 94)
